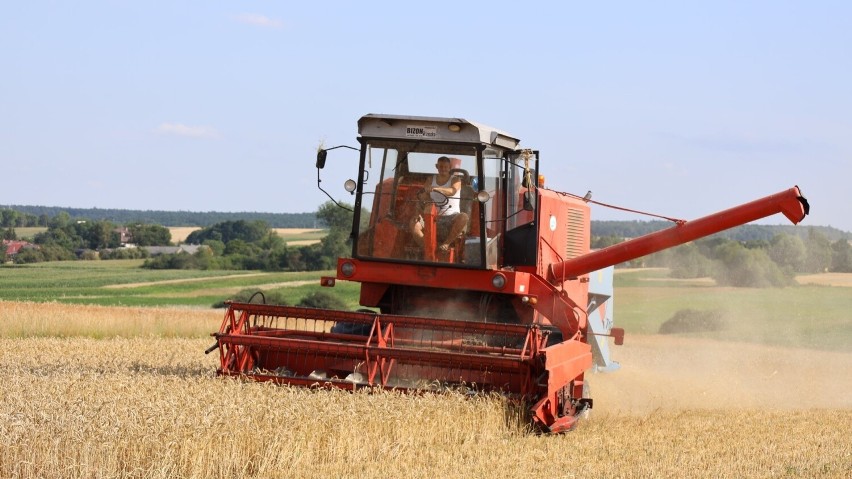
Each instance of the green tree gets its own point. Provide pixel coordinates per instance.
(226, 231)
(29, 255)
(335, 217)
(25, 219)
(788, 252)
(238, 246)
(295, 259)
(743, 267)
(216, 246)
(271, 241)
(8, 218)
(65, 237)
(49, 252)
(818, 257)
(279, 259)
(251, 245)
(180, 260)
(841, 256)
(61, 220)
(150, 235)
(310, 258)
(337, 242)
(688, 262)
(257, 296)
(101, 234)
(204, 258)
(9, 234)
(322, 300)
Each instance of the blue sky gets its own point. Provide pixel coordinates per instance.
(677, 108)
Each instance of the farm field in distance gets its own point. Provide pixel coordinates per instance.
(111, 381)
(293, 236)
(124, 282)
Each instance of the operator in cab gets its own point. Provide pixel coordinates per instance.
(442, 190)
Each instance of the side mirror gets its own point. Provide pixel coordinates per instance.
(321, 155)
(529, 200)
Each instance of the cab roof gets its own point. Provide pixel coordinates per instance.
(428, 128)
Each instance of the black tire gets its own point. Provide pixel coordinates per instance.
(359, 329)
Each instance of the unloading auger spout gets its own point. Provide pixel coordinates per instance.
(789, 202)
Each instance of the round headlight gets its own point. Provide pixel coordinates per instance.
(349, 185)
(498, 281)
(347, 269)
(483, 196)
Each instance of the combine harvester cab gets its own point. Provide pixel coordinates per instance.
(484, 281)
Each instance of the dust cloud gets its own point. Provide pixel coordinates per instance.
(676, 373)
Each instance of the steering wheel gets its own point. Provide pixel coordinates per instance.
(428, 197)
(443, 201)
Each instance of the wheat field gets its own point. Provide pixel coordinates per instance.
(179, 234)
(142, 400)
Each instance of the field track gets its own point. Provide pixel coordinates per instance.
(179, 281)
(826, 279)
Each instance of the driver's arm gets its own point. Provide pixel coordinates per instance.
(423, 194)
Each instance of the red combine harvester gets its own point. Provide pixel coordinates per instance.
(475, 276)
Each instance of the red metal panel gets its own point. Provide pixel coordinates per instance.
(566, 361)
(418, 275)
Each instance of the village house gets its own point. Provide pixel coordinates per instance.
(11, 248)
(125, 237)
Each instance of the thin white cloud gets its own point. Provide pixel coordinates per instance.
(259, 20)
(180, 129)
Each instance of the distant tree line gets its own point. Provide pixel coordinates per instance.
(744, 256)
(67, 239)
(10, 218)
(21, 216)
(231, 244)
(251, 244)
(749, 232)
(28, 216)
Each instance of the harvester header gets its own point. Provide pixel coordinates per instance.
(472, 276)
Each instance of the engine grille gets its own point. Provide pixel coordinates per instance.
(577, 236)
